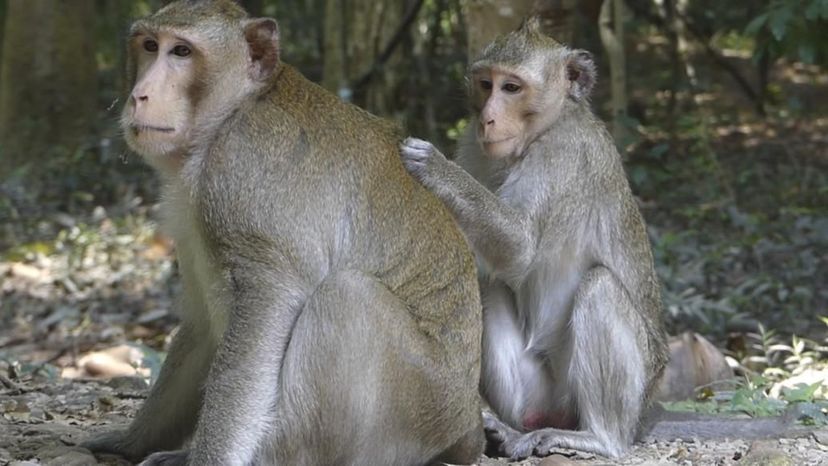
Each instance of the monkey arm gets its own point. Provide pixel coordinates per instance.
(168, 416)
(502, 235)
(242, 388)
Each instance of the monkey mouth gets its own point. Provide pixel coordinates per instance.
(139, 128)
(496, 141)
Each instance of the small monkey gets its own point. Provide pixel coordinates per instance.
(573, 336)
(330, 308)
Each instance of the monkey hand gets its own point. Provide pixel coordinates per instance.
(117, 442)
(166, 458)
(421, 159)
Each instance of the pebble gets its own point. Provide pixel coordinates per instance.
(766, 453)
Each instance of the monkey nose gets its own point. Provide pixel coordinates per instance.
(139, 99)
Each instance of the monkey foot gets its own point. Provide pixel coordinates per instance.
(115, 442)
(166, 458)
(507, 441)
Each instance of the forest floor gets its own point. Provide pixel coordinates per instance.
(42, 422)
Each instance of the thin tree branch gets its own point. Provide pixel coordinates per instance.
(390, 47)
(711, 51)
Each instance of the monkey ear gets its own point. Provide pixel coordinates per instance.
(580, 70)
(262, 35)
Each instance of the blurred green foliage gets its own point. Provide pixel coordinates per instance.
(796, 29)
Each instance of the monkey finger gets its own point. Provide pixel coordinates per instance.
(416, 143)
(414, 167)
(409, 153)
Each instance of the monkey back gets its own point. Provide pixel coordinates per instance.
(304, 175)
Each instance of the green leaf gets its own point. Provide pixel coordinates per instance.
(690, 406)
(802, 392)
(659, 150)
(754, 26)
(813, 10)
(810, 414)
(807, 53)
(779, 22)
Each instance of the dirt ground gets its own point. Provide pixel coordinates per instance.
(41, 422)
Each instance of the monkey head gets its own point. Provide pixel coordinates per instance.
(519, 86)
(190, 67)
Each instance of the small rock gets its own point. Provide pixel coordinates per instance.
(77, 457)
(821, 436)
(128, 384)
(766, 453)
(486, 461)
(556, 460)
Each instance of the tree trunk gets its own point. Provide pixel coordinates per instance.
(2, 27)
(47, 80)
(611, 23)
(488, 19)
(558, 18)
(357, 32)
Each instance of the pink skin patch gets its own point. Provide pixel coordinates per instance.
(555, 419)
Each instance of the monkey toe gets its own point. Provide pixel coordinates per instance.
(544, 445)
(496, 430)
(504, 440)
(519, 448)
(166, 458)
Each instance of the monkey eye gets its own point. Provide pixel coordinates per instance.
(150, 46)
(181, 51)
(511, 88)
(486, 84)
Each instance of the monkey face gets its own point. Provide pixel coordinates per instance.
(158, 113)
(187, 80)
(497, 97)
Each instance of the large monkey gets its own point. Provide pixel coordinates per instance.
(331, 313)
(572, 334)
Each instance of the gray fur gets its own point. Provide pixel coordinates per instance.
(572, 311)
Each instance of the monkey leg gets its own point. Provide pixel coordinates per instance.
(515, 381)
(169, 414)
(606, 374)
(362, 385)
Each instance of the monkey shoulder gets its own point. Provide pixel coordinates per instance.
(297, 160)
(326, 116)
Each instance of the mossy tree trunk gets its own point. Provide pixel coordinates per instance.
(47, 80)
